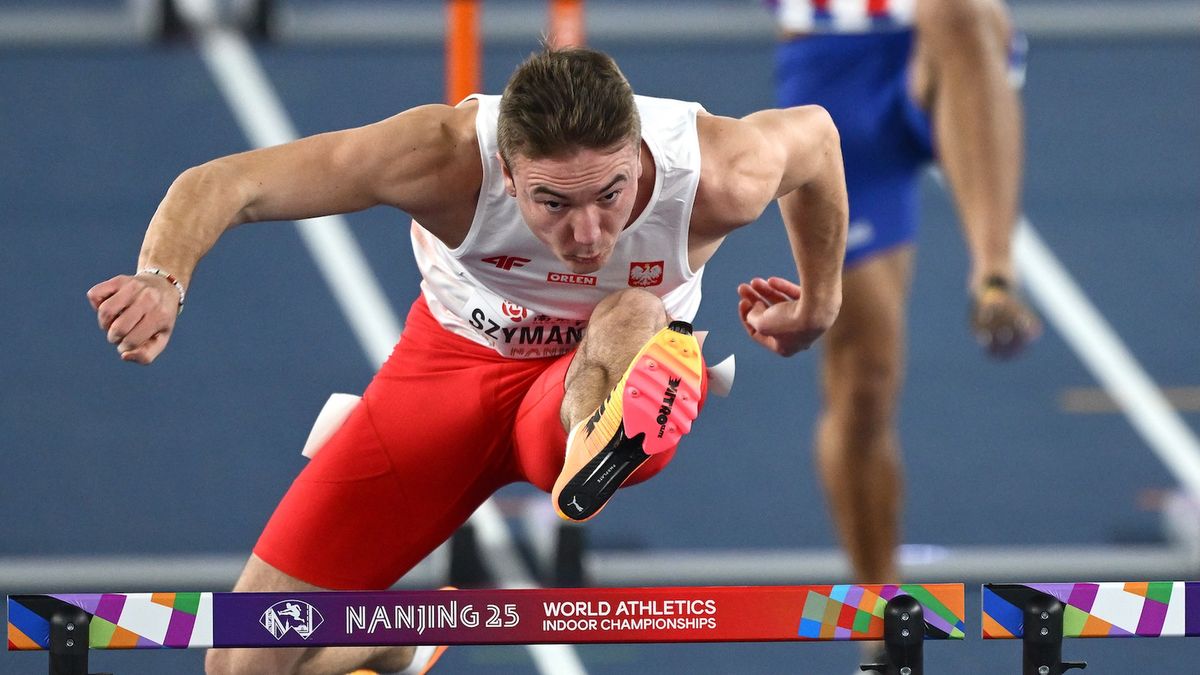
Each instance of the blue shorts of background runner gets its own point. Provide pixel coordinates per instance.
(862, 80)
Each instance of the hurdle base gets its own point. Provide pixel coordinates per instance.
(467, 568)
(903, 638)
(1043, 638)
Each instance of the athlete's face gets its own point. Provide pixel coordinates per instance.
(577, 204)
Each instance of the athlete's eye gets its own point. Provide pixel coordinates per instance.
(611, 197)
(553, 206)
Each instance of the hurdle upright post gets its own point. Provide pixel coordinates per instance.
(903, 638)
(565, 24)
(566, 568)
(69, 629)
(463, 58)
(1043, 638)
(467, 569)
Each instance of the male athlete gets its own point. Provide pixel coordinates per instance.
(565, 203)
(906, 81)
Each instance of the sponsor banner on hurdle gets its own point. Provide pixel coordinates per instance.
(525, 616)
(1099, 610)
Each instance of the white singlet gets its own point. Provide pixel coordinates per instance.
(505, 289)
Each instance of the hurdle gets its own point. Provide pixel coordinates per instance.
(1042, 615)
(464, 41)
(903, 616)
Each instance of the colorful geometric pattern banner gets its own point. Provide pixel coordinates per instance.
(118, 620)
(849, 612)
(526, 616)
(1099, 610)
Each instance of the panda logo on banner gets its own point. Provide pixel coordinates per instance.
(291, 615)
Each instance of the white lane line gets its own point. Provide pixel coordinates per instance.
(1096, 344)
(1110, 362)
(265, 122)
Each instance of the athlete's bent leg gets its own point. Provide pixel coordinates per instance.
(258, 576)
(618, 328)
(631, 392)
(960, 75)
(857, 450)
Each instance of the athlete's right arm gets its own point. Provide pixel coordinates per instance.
(418, 161)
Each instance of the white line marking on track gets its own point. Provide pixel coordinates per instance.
(1110, 362)
(1104, 354)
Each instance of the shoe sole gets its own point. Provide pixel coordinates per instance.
(660, 399)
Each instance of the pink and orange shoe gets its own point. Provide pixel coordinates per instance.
(650, 409)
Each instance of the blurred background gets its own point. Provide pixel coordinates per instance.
(1076, 462)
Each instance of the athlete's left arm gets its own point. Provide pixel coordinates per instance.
(792, 156)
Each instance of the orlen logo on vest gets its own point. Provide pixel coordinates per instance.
(577, 279)
(296, 616)
(644, 274)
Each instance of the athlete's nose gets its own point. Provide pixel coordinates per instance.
(585, 227)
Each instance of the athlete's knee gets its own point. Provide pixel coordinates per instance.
(629, 309)
(862, 398)
(217, 663)
(241, 662)
(391, 660)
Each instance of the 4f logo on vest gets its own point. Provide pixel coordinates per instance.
(291, 615)
(643, 274)
(505, 262)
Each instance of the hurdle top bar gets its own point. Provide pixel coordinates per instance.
(525, 616)
(1099, 610)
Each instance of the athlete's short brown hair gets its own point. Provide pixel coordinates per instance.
(560, 100)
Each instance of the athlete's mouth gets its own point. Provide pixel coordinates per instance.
(586, 260)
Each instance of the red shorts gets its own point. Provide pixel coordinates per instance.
(444, 424)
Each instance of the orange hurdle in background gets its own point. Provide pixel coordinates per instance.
(564, 27)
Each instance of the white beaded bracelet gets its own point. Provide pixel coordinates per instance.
(171, 278)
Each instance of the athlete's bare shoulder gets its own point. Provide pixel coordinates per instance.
(429, 164)
(737, 176)
(749, 162)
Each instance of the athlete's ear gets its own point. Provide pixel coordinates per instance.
(510, 185)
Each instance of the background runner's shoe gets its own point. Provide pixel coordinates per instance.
(423, 658)
(422, 662)
(649, 410)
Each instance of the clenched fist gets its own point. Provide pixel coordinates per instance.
(137, 312)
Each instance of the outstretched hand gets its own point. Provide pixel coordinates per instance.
(137, 313)
(1003, 325)
(779, 316)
